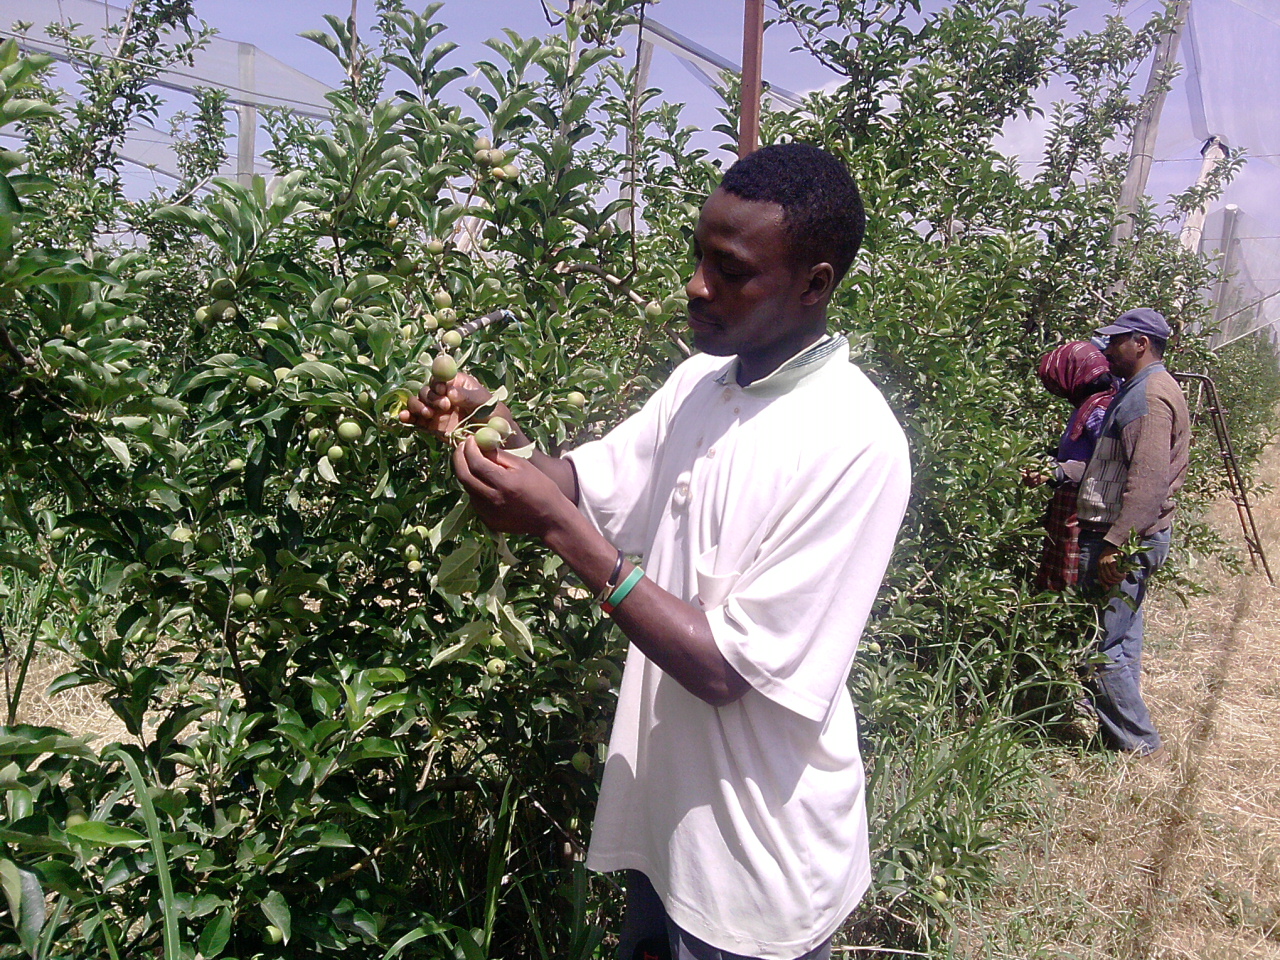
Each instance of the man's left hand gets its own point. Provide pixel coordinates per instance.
(509, 493)
(1110, 561)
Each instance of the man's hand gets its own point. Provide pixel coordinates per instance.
(440, 407)
(1110, 572)
(510, 494)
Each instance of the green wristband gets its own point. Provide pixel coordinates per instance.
(624, 588)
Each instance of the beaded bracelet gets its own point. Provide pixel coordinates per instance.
(611, 584)
(634, 577)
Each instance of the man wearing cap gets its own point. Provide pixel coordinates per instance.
(1137, 467)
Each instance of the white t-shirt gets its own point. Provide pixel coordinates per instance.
(775, 508)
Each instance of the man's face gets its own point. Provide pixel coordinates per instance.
(1123, 352)
(747, 296)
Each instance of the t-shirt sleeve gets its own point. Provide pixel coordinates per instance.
(791, 621)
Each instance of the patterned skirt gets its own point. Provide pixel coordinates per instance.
(1060, 558)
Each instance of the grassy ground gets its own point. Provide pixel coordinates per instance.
(1175, 862)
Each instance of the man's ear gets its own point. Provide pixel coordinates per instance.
(822, 281)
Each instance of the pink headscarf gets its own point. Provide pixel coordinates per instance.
(1067, 369)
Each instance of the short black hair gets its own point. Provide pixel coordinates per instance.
(1158, 345)
(822, 208)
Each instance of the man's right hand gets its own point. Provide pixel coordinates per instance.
(441, 406)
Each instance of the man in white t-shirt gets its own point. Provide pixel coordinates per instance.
(762, 487)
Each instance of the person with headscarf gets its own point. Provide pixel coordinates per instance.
(1076, 371)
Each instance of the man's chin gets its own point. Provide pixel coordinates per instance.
(706, 341)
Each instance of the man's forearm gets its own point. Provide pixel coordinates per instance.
(674, 634)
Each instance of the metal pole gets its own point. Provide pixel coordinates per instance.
(1142, 150)
(1214, 152)
(752, 47)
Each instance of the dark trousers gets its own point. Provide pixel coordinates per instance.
(649, 934)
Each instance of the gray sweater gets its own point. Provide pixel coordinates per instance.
(1140, 461)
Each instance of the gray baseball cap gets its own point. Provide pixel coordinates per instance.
(1143, 320)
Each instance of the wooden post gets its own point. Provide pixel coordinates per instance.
(752, 47)
(1144, 131)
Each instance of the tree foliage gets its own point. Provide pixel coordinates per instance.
(360, 724)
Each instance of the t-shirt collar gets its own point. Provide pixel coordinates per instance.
(792, 372)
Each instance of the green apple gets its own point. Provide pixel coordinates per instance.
(576, 399)
(350, 431)
(442, 299)
(444, 368)
(224, 288)
(581, 761)
(488, 439)
(451, 339)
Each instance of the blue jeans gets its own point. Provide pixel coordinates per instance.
(647, 931)
(1115, 687)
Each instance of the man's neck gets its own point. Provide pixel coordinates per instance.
(751, 369)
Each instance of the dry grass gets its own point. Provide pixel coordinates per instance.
(1175, 862)
(80, 711)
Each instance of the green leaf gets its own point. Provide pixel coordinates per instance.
(277, 912)
(26, 903)
(101, 834)
(216, 934)
(9, 205)
(457, 572)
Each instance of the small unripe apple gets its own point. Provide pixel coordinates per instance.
(242, 600)
(281, 373)
(208, 542)
(482, 157)
(202, 314)
(342, 304)
(444, 368)
(429, 322)
(435, 247)
(235, 465)
(488, 439)
(350, 431)
(442, 299)
(482, 143)
(497, 158)
(274, 934)
(58, 533)
(411, 552)
(451, 339)
(581, 761)
(653, 310)
(257, 385)
(576, 399)
(262, 597)
(398, 245)
(501, 426)
(413, 566)
(510, 171)
(224, 288)
(335, 453)
(447, 317)
(496, 667)
(223, 310)
(406, 267)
